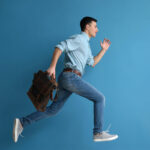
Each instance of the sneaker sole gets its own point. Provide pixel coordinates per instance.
(102, 140)
(16, 121)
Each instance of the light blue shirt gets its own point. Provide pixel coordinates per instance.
(77, 52)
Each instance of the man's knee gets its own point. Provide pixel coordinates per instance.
(101, 99)
(51, 110)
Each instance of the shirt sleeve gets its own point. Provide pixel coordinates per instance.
(90, 60)
(70, 44)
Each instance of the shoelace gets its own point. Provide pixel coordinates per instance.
(107, 130)
(21, 135)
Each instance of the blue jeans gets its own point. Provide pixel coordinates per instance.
(69, 83)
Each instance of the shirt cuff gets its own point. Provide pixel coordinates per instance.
(60, 47)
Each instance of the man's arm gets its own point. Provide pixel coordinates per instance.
(99, 56)
(64, 46)
(52, 67)
(105, 45)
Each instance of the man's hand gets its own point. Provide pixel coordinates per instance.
(51, 71)
(105, 45)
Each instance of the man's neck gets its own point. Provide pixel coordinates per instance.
(88, 34)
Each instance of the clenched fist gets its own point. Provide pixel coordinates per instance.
(51, 71)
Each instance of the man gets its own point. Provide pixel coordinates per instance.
(77, 55)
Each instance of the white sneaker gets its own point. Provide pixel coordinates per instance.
(17, 129)
(104, 136)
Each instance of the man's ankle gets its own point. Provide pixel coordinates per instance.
(97, 133)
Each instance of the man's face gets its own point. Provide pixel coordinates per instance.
(92, 29)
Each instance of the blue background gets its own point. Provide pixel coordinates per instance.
(29, 30)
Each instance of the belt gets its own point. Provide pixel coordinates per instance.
(72, 70)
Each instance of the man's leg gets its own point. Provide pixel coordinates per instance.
(20, 123)
(76, 84)
(50, 110)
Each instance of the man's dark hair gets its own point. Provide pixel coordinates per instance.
(86, 20)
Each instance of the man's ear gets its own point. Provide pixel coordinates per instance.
(87, 26)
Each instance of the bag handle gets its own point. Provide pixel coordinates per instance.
(51, 93)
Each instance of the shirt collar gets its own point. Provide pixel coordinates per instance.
(85, 35)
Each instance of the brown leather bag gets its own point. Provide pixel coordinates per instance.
(42, 89)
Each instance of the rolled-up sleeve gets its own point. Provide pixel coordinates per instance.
(90, 60)
(70, 44)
